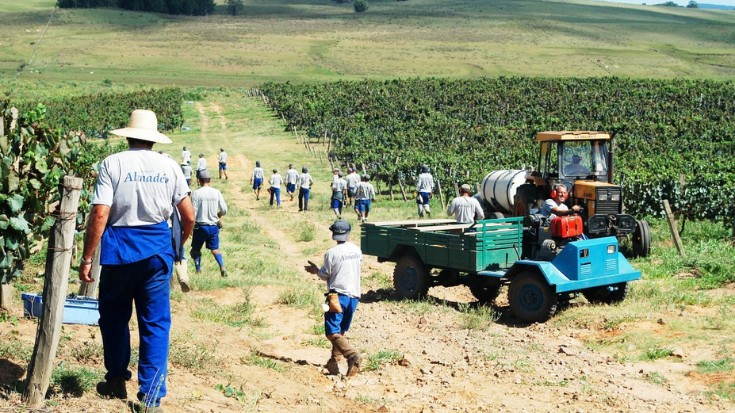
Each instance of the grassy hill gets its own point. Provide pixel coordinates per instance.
(310, 40)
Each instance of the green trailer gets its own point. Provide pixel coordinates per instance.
(540, 271)
(459, 251)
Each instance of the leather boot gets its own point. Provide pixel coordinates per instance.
(354, 358)
(333, 363)
(113, 388)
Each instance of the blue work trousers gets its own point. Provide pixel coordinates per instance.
(304, 199)
(147, 283)
(276, 192)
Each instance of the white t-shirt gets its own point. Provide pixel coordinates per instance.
(551, 204)
(342, 269)
(276, 180)
(207, 203)
(339, 185)
(140, 186)
(466, 209)
(364, 190)
(352, 179)
(425, 183)
(185, 156)
(201, 164)
(223, 157)
(292, 176)
(305, 180)
(257, 173)
(186, 169)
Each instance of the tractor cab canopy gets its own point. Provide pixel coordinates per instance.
(573, 155)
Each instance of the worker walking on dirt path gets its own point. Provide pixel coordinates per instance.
(342, 271)
(209, 207)
(339, 187)
(136, 193)
(305, 182)
(222, 163)
(364, 195)
(276, 181)
(186, 170)
(201, 164)
(256, 179)
(466, 208)
(555, 206)
(186, 156)
(352, 179)
(292, 177)
(424, 190)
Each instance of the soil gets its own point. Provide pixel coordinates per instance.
(441, 368)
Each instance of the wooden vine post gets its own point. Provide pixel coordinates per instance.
(58, 262)
(674, 228)
(441, 197)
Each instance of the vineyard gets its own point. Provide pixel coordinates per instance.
(465, 128)
(45, 143)
(97, 114)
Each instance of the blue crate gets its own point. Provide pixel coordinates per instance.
(84, 311)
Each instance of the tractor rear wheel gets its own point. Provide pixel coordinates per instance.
(603, 295)
(485, 289)
(411, 277)
(641, 239)
(525, 200)
(531, 298)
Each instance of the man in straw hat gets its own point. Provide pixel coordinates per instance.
(136, 193)
(341, 270)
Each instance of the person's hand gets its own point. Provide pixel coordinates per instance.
(85, 273)
(431, 195)
(576, 208)
(311, 268)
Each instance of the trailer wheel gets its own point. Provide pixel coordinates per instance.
(603, 295)
(531, 298)
(485, 289)
(411, 278)
(641, 239)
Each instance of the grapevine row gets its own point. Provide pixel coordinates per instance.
(95, 115)
(466, 128)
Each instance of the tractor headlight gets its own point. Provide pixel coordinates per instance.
(602, 196)
(611, 249)
(615, 197)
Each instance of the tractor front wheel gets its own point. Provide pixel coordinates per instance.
(531, 298)
(641, 239)
(411, 277)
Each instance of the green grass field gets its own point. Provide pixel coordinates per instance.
(309, 40)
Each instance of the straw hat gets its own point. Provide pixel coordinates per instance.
(142, 125)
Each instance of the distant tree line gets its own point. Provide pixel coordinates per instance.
(187, 7)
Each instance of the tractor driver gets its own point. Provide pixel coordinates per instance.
(555, 206)
(576, 167)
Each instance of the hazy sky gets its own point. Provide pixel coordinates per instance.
(680, 2)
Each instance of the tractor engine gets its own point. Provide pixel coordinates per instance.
(603, 205)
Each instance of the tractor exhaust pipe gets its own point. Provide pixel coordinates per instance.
(611, 161)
